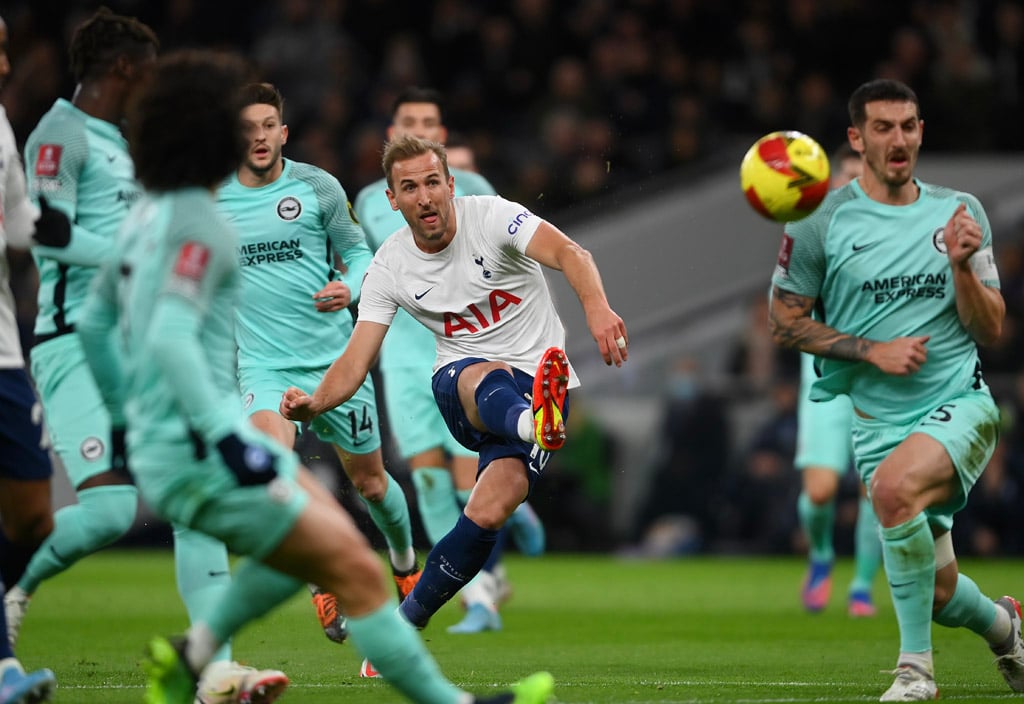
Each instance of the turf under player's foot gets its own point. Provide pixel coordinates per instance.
(538, 688)
(478, 618)
(526, 530)
(227, 682)
(860, 605)
(1010, 654)
(817, 586)
(15, 606)
(20, 687)
(170, 680)
(406, 581)
(331, 619)
(550, 386)
(368, 670)
(911, 685)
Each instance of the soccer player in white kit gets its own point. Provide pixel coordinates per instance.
(471, 270)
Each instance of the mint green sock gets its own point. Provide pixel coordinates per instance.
(818, 523)
(391, 516)
(435, 498)
(398, 654)
(102, 515)
(203, 575)
(909, 554)
(867, 548)
(968, 608)
(254, 590)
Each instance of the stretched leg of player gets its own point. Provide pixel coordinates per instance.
(816, 508)
(867, 560)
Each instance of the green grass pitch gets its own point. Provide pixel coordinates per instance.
(684, 631)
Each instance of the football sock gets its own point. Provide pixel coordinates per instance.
(203, 575)
(391, 516)
(5, 645)
(102, 515)
(817, 522)
(909, 554)
(398, 654)
(435, 498)
(867, 548)
(254, 590)
(500, 404)
(462, 553)
(971, 609)
(499, 543)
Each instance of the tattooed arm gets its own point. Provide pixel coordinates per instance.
(791, 325)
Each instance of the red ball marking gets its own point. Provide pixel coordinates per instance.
(773, 153)
(756, 203)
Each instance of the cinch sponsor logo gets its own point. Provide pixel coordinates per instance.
(267, 252)
(480, 317)
(518, 220)
(894, 288)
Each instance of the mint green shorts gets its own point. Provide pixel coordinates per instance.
(352, 426)
(78, 421)
(201, 492)
(823, 436)
(416, 422)
(966, 425)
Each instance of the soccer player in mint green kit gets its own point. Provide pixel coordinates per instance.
(158, 331)
(823, 456)
(77, 161)
(443, 471)
(293, 316)
(903, 276)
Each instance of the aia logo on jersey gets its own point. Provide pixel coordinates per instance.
(480, 317)
(48, 160)
(289, 208)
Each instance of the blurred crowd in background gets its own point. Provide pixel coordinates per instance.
(568, 102)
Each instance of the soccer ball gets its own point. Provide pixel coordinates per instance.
(785, 176)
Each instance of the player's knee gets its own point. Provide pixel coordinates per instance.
(820, 495)
(29, 530)
(111, 511)
(371, 487)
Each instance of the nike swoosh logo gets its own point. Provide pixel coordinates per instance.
(897, 586)
(218, 573)
(111, 158)
(859, 247)
(357, 443)
(418, 296)
(453, 576)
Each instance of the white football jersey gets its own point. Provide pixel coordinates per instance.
(481, 296)
(17, 223)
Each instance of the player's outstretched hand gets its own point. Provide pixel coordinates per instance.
(900, 357)
(296, 405)
(252, 464)
(52, 227)
(336, 295)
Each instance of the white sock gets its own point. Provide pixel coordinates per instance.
(200, 646)
(922, 661)
(526, 429)
(999, 631)
(402, 561)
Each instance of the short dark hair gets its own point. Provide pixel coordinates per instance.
(884, 89)
(406, 147)
(262, 94)
(100, 40)
(417, 94)
(183, 123)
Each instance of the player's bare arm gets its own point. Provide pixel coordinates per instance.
(981, 308)
(554, 249)
(791, 325)
(342, 379)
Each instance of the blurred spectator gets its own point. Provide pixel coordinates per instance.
(694, 446)
(756, 509)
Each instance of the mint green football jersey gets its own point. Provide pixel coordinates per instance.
(880, 272)
(81, 165)
(289, 232)
(408, 343)
(174, 274)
